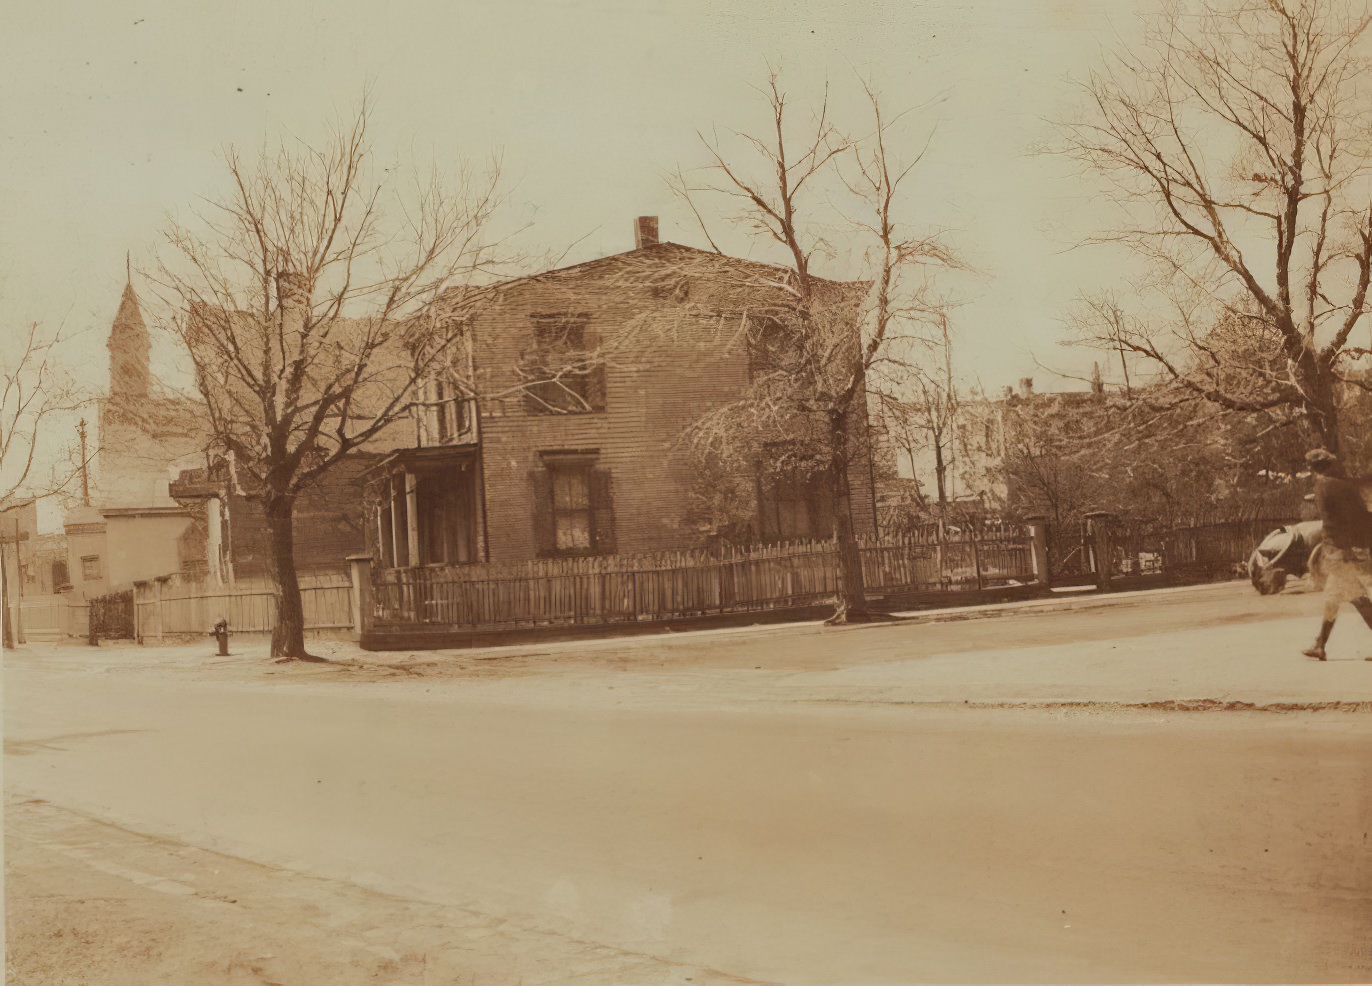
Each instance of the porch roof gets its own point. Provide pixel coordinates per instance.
(426, 458)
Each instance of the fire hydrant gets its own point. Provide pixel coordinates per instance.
(221, 634)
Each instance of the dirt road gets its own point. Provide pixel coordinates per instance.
(646, 812)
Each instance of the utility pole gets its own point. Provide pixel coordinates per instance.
(18, 588)
(5, 618)
(85, 475)
(13, 621)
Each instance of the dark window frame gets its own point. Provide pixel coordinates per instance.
(597, 514)
(559, 339)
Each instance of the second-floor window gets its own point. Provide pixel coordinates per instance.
(563, 371)
(442, 411)
(90, 568)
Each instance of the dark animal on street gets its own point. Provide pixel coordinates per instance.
(1287, 552)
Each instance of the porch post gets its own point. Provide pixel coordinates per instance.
(360, 568)
(396, 544)
(412, 517)
(1038, 534)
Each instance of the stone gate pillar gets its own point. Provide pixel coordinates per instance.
(1038, 546)
(360, 570)
(1098, 523)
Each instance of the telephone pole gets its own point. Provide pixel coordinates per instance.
(85, 475)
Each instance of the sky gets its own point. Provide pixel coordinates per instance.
(114, 115)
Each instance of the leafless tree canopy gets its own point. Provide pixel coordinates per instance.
(311, 312)
(816, 347)
(1236, 137)
(920, 410)
(36, 398)
(300, 306)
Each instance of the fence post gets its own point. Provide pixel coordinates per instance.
(1098, 523)
(976, 559)
(139, 629)
(157, 585)
(360, 571)
(1038, 533)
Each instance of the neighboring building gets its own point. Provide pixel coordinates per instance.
(134, 530)
(231, 531)
(972, 457)
(579, 456)
(144, 438)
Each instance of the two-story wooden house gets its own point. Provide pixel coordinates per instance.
(560, 433)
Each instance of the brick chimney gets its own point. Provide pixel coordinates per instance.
(293, 295)
(645, 232)
(1026, 387)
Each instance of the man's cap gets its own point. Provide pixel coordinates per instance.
(1320, 458)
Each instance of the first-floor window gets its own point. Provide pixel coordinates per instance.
(793, 495)
(90, 568)
(573, 508)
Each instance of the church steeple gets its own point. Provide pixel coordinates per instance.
(129, 348)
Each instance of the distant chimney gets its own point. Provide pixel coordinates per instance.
(1008, 392)
(645, 232)
(1026, 387)
(293, 295)
(1097, 384)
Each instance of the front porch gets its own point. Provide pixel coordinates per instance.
(427, 507)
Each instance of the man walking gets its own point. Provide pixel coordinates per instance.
(1347, 540)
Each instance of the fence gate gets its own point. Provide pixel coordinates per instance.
(1071, 555)
(111, 616)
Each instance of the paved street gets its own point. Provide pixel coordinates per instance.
(1149, 789)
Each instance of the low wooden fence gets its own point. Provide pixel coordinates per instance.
(677, 585)
(53, 617)
(178, 605)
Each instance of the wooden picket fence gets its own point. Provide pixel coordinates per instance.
(681, 584)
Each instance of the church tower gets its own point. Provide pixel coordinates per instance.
(130, 349)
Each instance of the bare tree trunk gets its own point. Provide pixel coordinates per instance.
(288, 632)
(940, 469)
(851, 599)
(1321, 407)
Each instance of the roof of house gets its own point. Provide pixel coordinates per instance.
(656, 254)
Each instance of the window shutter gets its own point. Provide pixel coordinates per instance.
(603, 512)
(766, 505)
(535, 394)
(545, 536)
(595, 388)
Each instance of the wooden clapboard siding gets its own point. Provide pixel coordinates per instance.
(329, 522)
(651, 397)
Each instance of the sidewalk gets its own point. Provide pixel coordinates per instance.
(1208, 646)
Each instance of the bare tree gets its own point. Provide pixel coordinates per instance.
(36, 399)
(1236, 136)
(311, 321)
(1102, 322)
(817, 344)
(924, 414)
